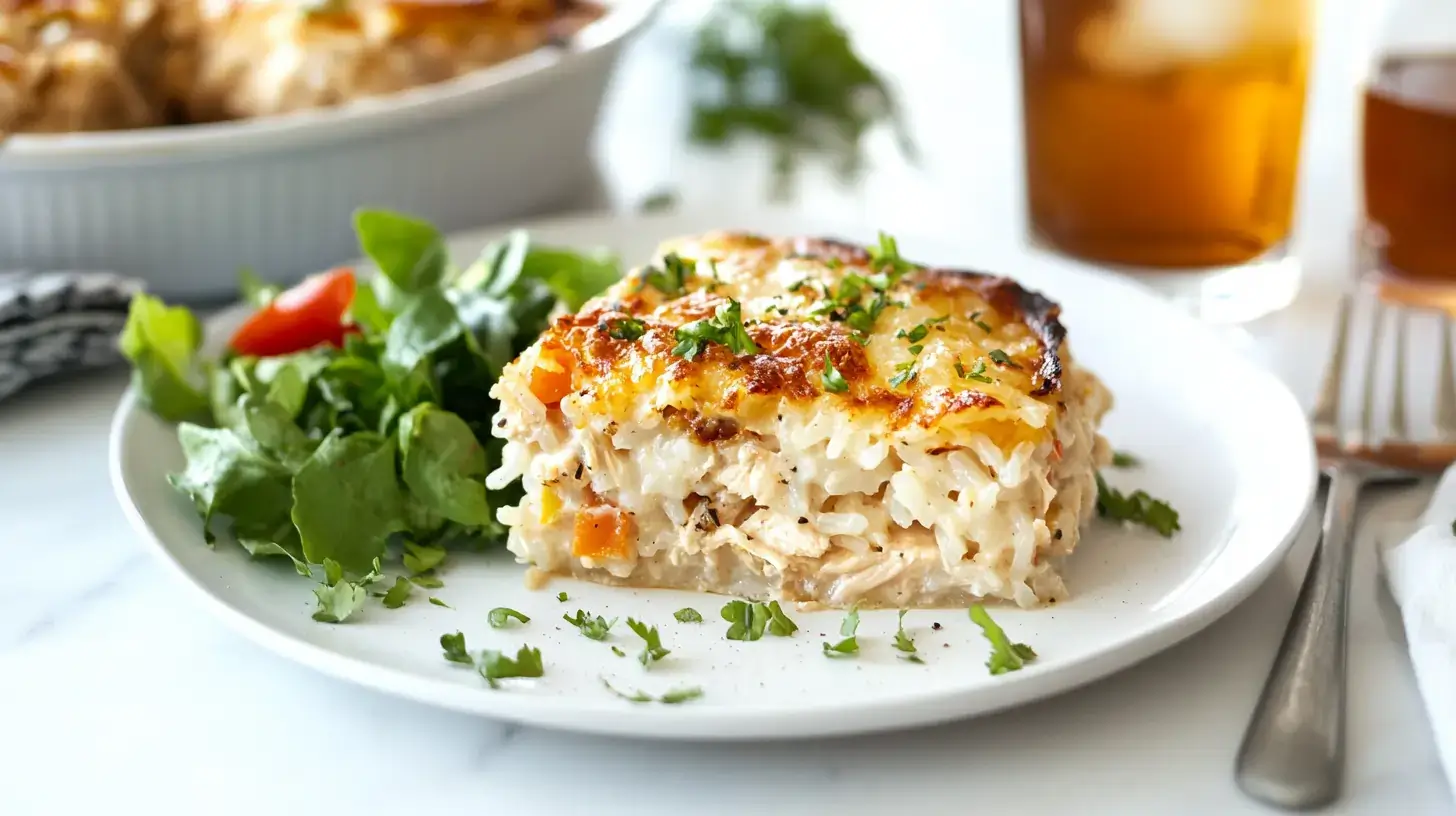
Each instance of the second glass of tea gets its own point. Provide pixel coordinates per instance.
(1409, 234)
(1163, 137)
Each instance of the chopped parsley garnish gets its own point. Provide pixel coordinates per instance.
(748, 619)
(339, 598)
(850, 645)
(905, 643)
(921, 330)
(1137, 507)
(618, 652)
(427, 580)
(981, 324)
(595, 627)
(1005, 655)
(725, 327)
(977, 372)
(671, 279)
(654, 651)
(833, 380)
(1000, 357)
(500, 617)
(673, 697)
(495, 666)
(395, 597)
(561, 596)
(779, 623)
(454, 646)
(1123, 459)
(438, 602)
(904, 372)
(916, 349)
(688, 615)
(885, 256)
(627, 328)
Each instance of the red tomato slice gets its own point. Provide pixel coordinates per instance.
(310, 314)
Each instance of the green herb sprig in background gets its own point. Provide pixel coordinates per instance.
(790, 75)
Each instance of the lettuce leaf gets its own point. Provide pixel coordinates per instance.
(347, 501)
(444, 465)
(161, 342)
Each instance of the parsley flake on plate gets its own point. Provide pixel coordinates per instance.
(654, 650)
(595, 627)
(618, 652)
(725, 328)
(1136, 508)
(438, 602)
(395, 597)
(495, 666)
(779, 623)
(426, 580)
(672, 697)
(850, 645)
(751, 619)
(1005, 655)
(561, 596)
(832, 379)
(1123, 459)
(748, 620)
(339, 598)
(454, 646)
(500, 617)
(905, 643)
(688, 615)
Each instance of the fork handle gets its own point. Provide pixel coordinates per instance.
(1293, 755)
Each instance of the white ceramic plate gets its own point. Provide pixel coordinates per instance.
(1222, 440)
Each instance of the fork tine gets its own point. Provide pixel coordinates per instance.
(1367, 403)
(1397, 401)
(1446, 391)
(1327, 407)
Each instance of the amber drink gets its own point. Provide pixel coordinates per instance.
(1164, 134)
(1410, 174)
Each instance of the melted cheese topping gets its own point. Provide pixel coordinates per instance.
(786, 288)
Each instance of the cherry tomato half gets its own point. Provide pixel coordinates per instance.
(308, 315)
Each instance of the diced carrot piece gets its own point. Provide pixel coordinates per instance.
(551, 378)
(603, 531)
(1056, 450)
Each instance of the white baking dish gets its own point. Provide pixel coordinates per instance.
(184, 207)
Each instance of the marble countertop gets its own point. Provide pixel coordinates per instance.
(117, 691)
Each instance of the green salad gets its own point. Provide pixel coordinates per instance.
(346, 424)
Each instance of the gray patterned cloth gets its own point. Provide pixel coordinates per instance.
(55, 322)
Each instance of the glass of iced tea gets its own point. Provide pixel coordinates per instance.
(1162, 136)
(1409, 155)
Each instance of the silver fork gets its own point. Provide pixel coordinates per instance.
(1293, 754)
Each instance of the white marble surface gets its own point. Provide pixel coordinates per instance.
(118, 694)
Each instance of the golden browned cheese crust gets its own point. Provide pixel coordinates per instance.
(978, 347)
(80, 65)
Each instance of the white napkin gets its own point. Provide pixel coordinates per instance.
(1421, 571)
